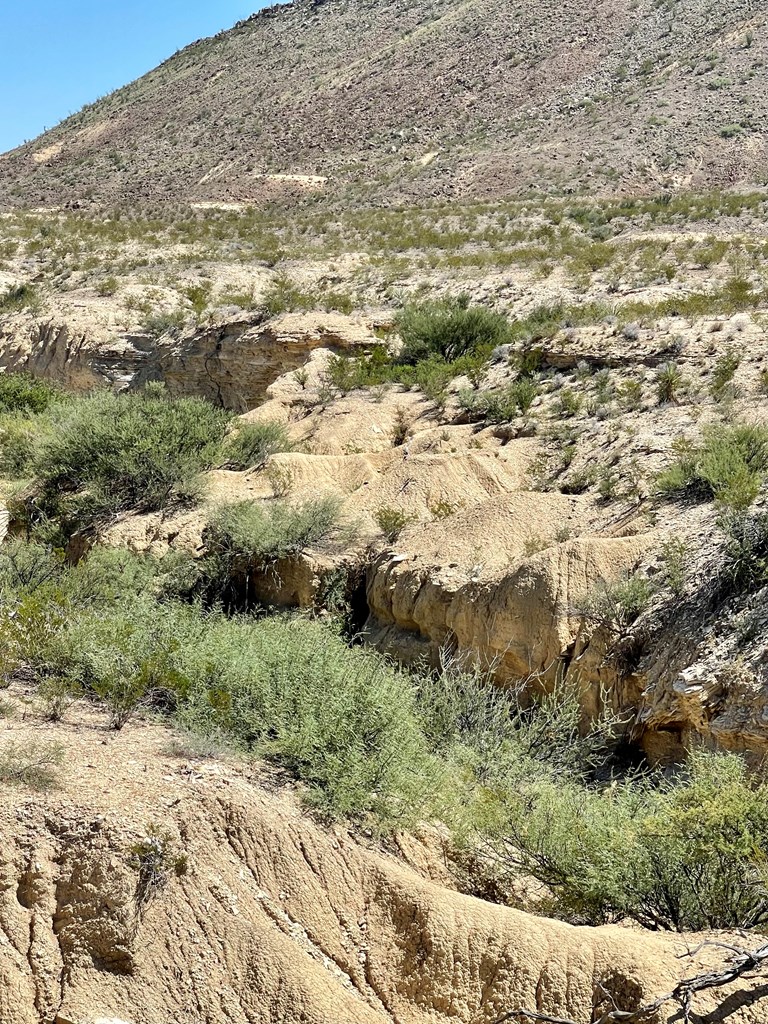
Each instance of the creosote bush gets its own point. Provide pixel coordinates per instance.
(19, 297)
(392, 521)
(113, 452)
(268, 531)
(684, 854)
(449, 328)
(31, 764)
(728, 465)
(501, 405)
(247, 538)
(23, 393)
(250, 445)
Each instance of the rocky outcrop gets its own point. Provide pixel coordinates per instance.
(232, 364)
(515, 612)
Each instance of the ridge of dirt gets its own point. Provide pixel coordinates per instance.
(273, 918)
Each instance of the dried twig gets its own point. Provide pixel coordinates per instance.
(739, 963)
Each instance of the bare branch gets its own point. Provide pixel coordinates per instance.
(739, 963)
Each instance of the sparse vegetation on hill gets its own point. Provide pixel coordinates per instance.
(489, 565)
(644, 92)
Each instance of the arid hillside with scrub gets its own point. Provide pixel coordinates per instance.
(430, 544)
(392, 101)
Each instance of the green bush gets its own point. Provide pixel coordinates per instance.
(617, 605)
(729, 466)
(723, 373)
(21, 392)
(245, 538)
(392, 521)
(19, 435)
(250, 445)
(685, 854)
(158, 324)
(745, 564)
(112, 452)
(284, 295)
(500, 405)
(19, 297)
(339, 718)
(569, 403)
(31, 764)
(449, 328)
(263, 532)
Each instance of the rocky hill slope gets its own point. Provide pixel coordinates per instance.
(390, 101)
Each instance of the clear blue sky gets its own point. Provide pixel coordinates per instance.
(58, 55)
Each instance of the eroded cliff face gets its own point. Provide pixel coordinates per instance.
(231, 364)
(266, 917)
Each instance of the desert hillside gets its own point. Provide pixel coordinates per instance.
(391, 102)
(155, 884)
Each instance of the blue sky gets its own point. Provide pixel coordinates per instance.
(57, 55)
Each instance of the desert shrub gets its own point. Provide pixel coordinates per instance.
(569, 403)
(107, 286)
(643, 849)
(500, 405)
(250, 445)
(19, 435)
(392, 521)
(723, 373)
(449, 328)
(631, 394)
(512, 733)
(529, 361)
(245, 538)
(124, 654)
(111, 452)
(728, 466)
(26, 567)
(21, 392)
(18, 297)
(744, 568)
(444, 509)
(155, 858)
(199, 296)
(340, 719)
(31, 764)
(432, 377)
(266, 532)
(675, 555)
(284, 295)
(578, 481)
(158, 324)
(617, 604)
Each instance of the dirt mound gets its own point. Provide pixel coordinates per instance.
(270, 917)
